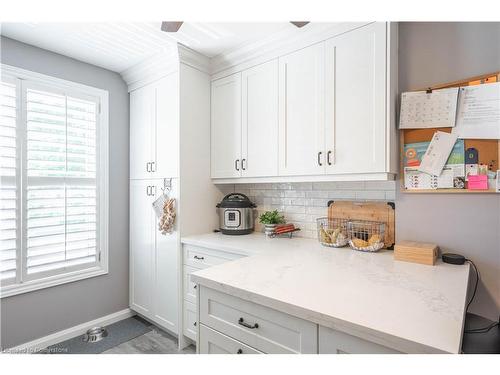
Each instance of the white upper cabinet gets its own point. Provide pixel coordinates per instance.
(260, 120)
(154, 129)
(166, 139)
(336, 112)
(301, 112)
(142, 104)
(226, 127)
(355, 96)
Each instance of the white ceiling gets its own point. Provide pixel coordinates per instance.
(118, 46)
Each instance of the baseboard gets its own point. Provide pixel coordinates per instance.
(43, 342)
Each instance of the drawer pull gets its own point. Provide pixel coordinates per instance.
(239, 351)
(241, 322)
(194, 324)
(196, 286)
(199, 258)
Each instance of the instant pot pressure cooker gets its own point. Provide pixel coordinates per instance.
(236, 214)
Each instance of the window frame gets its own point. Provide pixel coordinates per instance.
(22, 79)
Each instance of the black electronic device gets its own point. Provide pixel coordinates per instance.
(453, 258)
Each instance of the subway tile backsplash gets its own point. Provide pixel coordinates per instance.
(302, 203)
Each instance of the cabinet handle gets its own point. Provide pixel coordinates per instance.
(199, 258)
(147, 190)
(241, 322)
(195, 287)
(153, 192)
(239, 351)
(194, 324)
(319, 158)
(147, 166)
(328, 157)
(243, 164)
(236, 166)
(153, 166)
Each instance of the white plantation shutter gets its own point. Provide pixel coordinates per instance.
(54, 181)
(61, 188)
(9, 187)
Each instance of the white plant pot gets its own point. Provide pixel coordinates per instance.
(269, 229)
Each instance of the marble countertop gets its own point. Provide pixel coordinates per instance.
(409, 307)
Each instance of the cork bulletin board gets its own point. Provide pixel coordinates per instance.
(488, 149)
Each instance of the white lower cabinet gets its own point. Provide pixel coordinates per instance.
(259, 327)
(213, 342)
(228, 324)
(190, 321)
(196, 258)
(188, 285)
(199, 257)
(336, 342)
(153, 258)
(141, 246)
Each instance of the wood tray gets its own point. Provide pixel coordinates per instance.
(374, 211)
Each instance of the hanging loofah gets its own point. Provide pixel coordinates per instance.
(167, 219)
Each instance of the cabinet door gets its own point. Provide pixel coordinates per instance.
(166, 131)
(165, 270)
(141, 247)
(260, 120)
(141, 131)
(336, 342)
(213, 342)
(226, 127)
(355, 101)
(301, 112)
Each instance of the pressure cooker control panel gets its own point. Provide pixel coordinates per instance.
(232, 218)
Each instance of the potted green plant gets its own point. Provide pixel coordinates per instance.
(270, 219)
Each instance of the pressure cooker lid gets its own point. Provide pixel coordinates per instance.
(236, 200)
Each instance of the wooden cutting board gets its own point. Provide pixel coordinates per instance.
(373, 211)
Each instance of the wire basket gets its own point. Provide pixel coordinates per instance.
(366, 235)
(332, 232)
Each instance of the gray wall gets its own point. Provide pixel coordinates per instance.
(33, 315)
(432, 53)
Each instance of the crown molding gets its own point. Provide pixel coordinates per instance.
(194, 59)
(151, 69)
(244, 57)
(276, 45)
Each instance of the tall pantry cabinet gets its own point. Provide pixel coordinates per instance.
(167, 147)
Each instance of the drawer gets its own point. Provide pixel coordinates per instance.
(336, 342)
(190, 320)
(213, 342)
(200, 257)
(188, 286)
(260, 327)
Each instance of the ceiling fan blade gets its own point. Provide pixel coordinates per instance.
(171, 26)
(299, 24)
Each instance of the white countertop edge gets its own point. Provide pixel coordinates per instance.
(256, 244)
(378, 337)
(219, 247)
